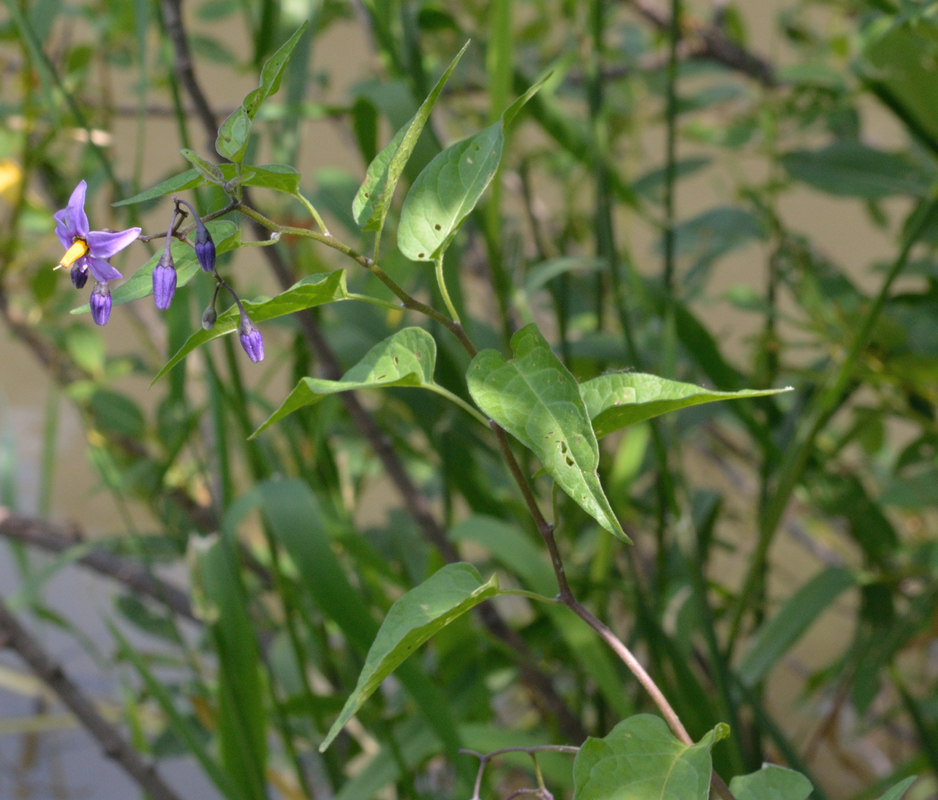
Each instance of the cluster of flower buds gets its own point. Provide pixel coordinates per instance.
(88, 251)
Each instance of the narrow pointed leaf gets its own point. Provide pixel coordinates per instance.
(407, 358)
(508, 117)
(412, 620)
(313, 290)
(280, 177)
(896, 792)
(771, 783)
(235, 131)
(240, 697)
(206, 169)
(618, 400)
(536, 399)
(227, 237)
(641, 759)
(272, 72)
(790, 622)
(446, 192)
(373, 199)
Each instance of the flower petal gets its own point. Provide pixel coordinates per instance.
(105, 244)
(102, 270)
(76, 219)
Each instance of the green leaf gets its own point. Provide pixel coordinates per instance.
(544, 272)
(373, 199)
(279, 177)
(854, 170)
(790, 622)
(641, 759)
(407, 358)
(295, 519)
(206, 169)
(446, 192)
(242, 722)
(508, 116)
(536, 399)
(227, 237)
(771, 783)
(271, 73)
(313, 290)
(233, 135)
(898, 790)
(180, 724)
(622, 399)
(235, 131)
(411, 621)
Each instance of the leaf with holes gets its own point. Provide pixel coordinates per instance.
(536, 399)
(373, 199)
(641, 759)
(407, 358)
(312, 291)
(412, 620)
(618, 400)
(446, 192)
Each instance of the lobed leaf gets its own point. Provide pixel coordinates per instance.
(313, 290)
(411, 621)
(536, 399)
(227, 237)
(373, 199)
(641, 759)
(279, 177)
(407, 358)
(771, 783)
(621, 399)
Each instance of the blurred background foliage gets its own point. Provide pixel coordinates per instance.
(676, 201)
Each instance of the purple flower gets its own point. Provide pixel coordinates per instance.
(251, 339)
(101, 303)
(204, 244)
(164, 280)
(164, 273)
(86, 249)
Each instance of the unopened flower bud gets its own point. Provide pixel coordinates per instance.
(164, 280)
(79, 276)
(208, 318)
(101, 303)
(251, 339)
(204, 244)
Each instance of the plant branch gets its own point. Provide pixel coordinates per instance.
(113, 744)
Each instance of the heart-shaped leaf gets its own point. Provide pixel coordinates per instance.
(641, 759)
(618, 400)
(373, 199)
(313, 290)
(407, 358)
(411, 621)
(536, 399)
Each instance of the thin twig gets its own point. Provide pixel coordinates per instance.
(113, 744)
(44, 535)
